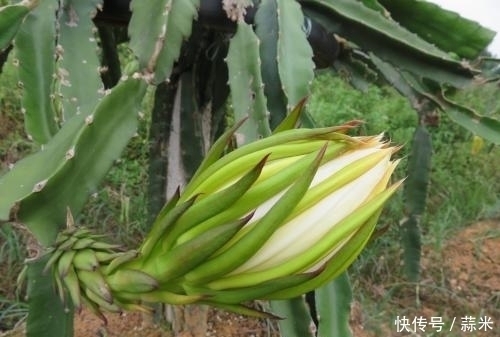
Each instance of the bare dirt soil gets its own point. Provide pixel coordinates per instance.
(461, 280)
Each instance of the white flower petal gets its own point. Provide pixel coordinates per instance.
(309, 227)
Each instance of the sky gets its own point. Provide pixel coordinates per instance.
(486, 12)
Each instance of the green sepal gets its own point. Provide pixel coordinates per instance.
(254, 292)
(95, 281)
(120, 259)
(54, 256)
(213, 204)
(263, 190)
(242, 310)
(162, 226)
(170, 204)
(217, 148)
(340, 232)
(335, 265)
(72, 285)
(287, 136)
(292, 119)
(131, 280)
(188, 255)
(65, 262)
(247, 245)
(160, 296)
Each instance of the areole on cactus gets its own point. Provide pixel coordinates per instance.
(270, 220)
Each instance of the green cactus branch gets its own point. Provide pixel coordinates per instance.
(157, 55)
(78, 83)
(71, 165)
(36, 70)
(294, 56)
(11, 18)
(245, 81)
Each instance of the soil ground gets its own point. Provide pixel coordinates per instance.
(462, 280)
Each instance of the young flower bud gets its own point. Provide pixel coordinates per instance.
(272, 219)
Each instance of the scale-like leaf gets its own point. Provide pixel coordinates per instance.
(246, 85)
(40, 187)
(295, 64)
(35, 49)
(446, 29)
(157, 30)
(79, 80)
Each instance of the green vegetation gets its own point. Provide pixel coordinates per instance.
(453, 202)
(464, 186)
(265, 64)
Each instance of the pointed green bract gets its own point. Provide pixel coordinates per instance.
(259, 290)
(331, 133)
(292, 120)
(249, 243)
(244, 235)
(216, 203)
(340, 232)
(188, 255)
(162, 226)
